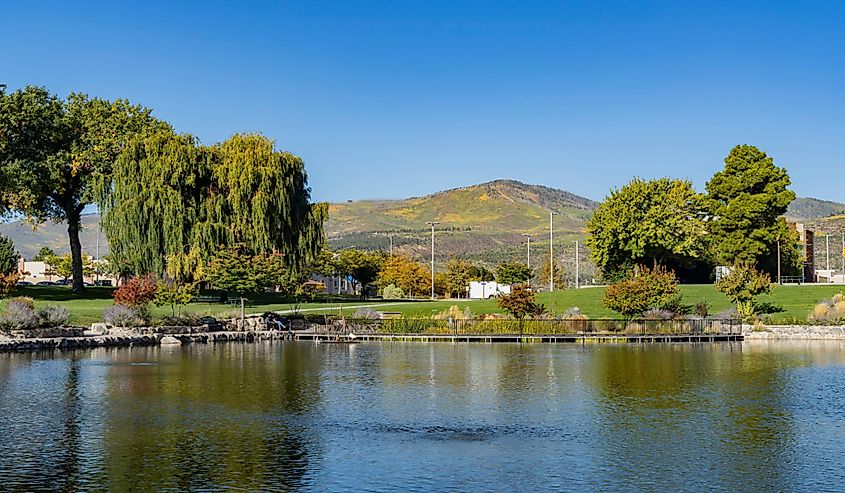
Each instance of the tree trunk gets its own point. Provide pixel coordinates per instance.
(73, 224)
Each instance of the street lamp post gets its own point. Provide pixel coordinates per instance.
(827, 251)
(528, 252)
(577, 267)
(432, 223)
(551, 253)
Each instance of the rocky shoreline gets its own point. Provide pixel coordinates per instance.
(795, 332)
(138, 339)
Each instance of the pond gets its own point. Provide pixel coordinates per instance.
(425, 417)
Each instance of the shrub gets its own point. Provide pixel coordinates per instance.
(174, 295)
(521, 303)
(392, 292)
(123, 316)
(136, 292)
(8, 282)
(366, 313)
(454, 313)
(829, 311)
(742, 286)
(24, 300)
(702, 308)
(658, 314)
(643, 289)
(53, 316)
(18, 315)
(574, 313)
(729, 314)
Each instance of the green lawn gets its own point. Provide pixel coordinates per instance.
(796, 301)
(89, 308)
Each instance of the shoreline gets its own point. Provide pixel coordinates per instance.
(130, 340)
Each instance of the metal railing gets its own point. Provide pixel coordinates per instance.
(470, 327)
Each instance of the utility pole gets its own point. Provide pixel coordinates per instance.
(577, 265)
(528, 236)
(97, 254)
(432, 223)
(391, 244)
(827, 250)
(551, 253)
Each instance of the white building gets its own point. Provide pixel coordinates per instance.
(335, 284)
(480, 290)
(37, 271)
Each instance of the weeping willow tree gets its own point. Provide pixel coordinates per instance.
(175, 203)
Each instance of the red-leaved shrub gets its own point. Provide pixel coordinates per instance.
(137, 292)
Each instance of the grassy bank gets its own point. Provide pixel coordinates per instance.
(796, 302)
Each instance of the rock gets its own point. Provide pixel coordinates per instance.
(99, 328)
(169, 340)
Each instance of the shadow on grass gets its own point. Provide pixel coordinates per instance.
(63, 293)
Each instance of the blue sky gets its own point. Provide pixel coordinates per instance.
(392, 99)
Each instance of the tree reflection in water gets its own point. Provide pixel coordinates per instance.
(212, 417)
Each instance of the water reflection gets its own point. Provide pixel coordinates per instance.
(423, 417)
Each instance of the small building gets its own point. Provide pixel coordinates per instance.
(37, 271)
(335, 284)
(482, 290)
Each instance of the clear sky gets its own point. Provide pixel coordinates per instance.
(392, 99)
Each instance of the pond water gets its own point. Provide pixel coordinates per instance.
(425, 417)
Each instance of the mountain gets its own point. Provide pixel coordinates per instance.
(29, 239)
(806, 209)
(501, 205)
(481, 222)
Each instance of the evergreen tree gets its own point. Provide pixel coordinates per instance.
(746, 201)
(44, 253)
(8, 256)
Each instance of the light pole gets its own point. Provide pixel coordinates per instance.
(827, 251)
(432, 223)
(97, 254)
(577, 266)
(528, 251)
(551, 252)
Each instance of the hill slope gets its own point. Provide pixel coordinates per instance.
(501, 205)
(806, 209)
(483, 222)
(478, 220)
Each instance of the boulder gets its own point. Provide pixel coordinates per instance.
(169, 340)
(97, 329)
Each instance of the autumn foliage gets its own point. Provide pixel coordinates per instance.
(136, 292)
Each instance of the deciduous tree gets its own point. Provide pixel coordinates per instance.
(653, 222)
(174, 201)
(412, 276)
(521, 303)
(58, 154)
(360, 266)
(743, 285)
(513, 273)
(457, 277)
